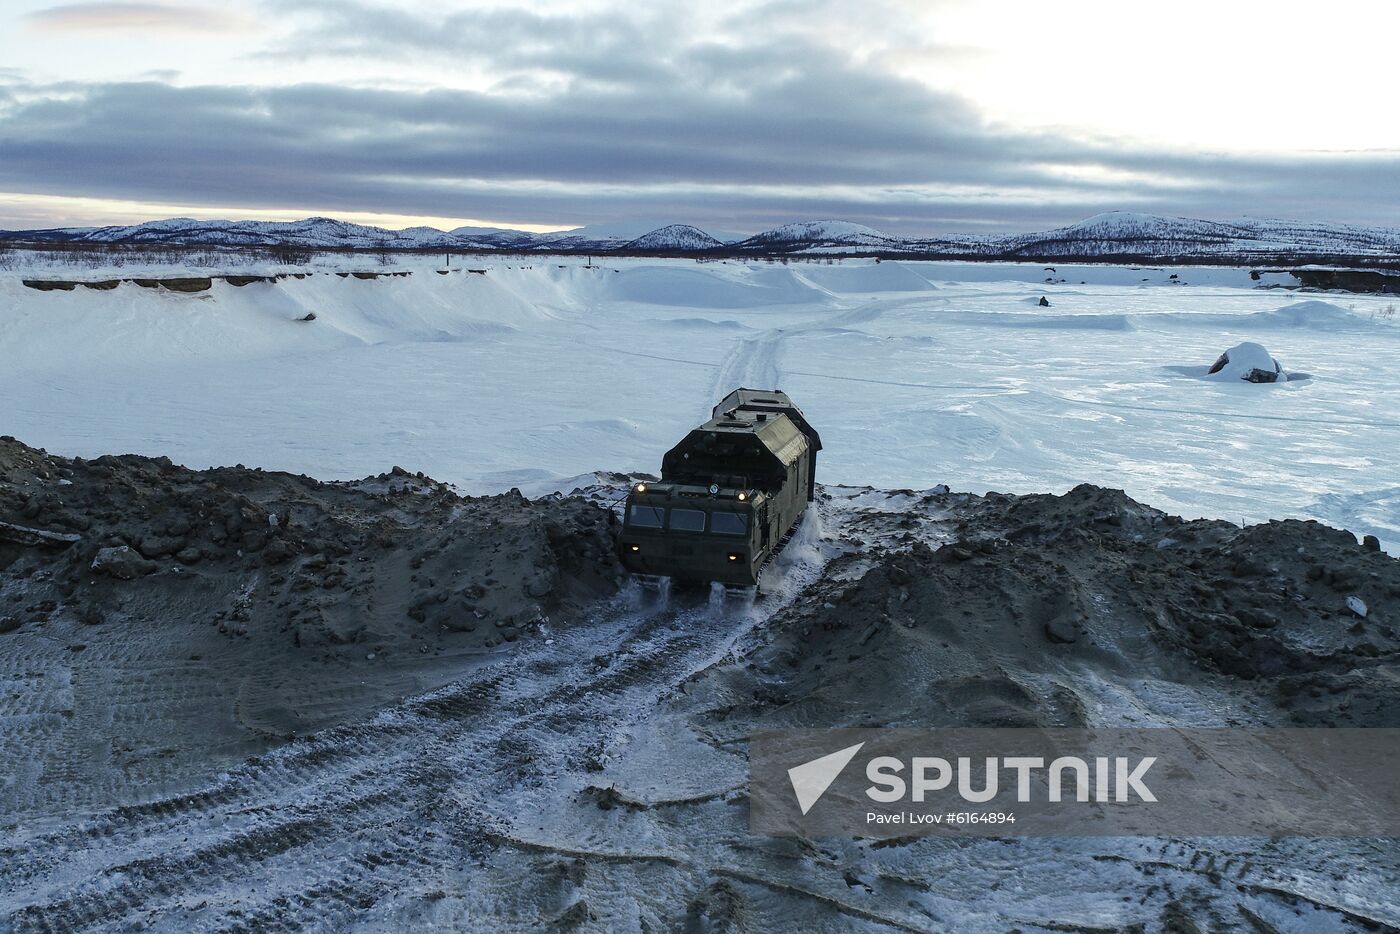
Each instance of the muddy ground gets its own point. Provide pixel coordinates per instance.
(591, 773)
(157, 622)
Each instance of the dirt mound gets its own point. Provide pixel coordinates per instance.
(191, 613)
(269, 553)
(1040, 600)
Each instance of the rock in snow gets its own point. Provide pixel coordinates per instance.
(1249, 362)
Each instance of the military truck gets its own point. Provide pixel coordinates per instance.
(731, 494)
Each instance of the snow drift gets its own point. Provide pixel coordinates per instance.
(86, 327)
(712, 287)
(1309, 314)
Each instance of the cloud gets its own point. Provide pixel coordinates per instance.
(741, 121)
(120, 17)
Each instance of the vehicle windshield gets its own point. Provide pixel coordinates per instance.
(729, 523)
(645, 517)
(688, 520)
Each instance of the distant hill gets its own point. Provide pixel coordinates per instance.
(1103, 236)
(681, 237)
(821, 233)
(1121, 232)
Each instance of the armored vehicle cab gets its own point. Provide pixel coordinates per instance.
(730, 495)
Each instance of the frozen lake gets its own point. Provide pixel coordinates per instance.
(915, 374)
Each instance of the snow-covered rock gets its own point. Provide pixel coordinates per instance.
(1249, 362)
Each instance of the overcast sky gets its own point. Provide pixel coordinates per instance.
(913, 116)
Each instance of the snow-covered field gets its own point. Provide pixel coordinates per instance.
(915, 374)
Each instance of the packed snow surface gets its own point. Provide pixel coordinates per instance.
(916, 374)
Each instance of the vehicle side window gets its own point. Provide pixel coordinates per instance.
(645, 517)
(688, 520)
(729, 523)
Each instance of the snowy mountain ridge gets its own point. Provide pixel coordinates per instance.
(1112, 234)
(828, 231)
(675, 237)
(1149, 234)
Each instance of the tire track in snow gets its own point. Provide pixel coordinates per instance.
(378, 813)
(751, 363)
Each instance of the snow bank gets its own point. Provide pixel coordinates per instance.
(699, 324)
(60, 330)
(714, 287)
(1310, 314)
(1316, 316)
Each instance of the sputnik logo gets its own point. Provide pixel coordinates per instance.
(810, 780)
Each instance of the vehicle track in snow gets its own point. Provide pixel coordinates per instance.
(377, 813)
(754, 361)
